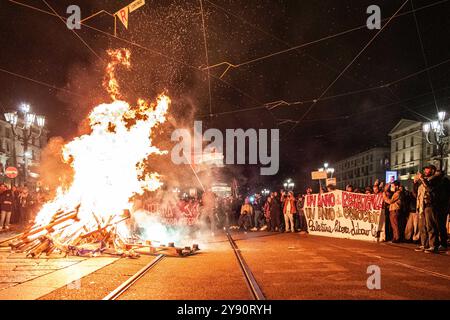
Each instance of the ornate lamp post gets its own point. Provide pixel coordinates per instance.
(289, 184)
(22, 129)
(327, 169)
(436, 134)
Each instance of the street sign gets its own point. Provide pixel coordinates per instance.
(318, 175)
(136, 5)
(11, 172)
(391, 176)
(122, 14)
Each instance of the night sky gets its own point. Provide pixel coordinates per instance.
(166, 40)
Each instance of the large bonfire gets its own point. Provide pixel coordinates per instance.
(108, 167)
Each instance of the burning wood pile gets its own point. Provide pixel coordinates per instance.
(109, 168)
(52, 238)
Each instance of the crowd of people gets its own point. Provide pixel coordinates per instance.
(17, 206)
(418, 216)
(277, 212)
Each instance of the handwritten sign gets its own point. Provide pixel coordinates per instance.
(341, 214)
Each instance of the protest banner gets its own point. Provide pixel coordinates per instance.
(341, 214)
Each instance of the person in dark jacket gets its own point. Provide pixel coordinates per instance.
(395, 207)
(275, 212)
(441, 203)
(6, 207)
(435, 200)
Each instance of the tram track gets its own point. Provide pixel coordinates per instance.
(120, 290)
(252, 284)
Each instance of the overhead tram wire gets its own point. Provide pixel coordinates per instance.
(205, 40)
(351, 115)
(279, 40)
(424, 55)
(282, 103)
(272, 105)
(137, 45)
(263, 105)
(346, 68)
(255, 27)
(234, 66)
(196, 68)
(39, 82)
(381, 118)
(73, 30)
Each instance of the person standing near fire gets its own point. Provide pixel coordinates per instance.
(289, 210)
(6, 207)
(275, 213)
(245, 219)
(208, 209)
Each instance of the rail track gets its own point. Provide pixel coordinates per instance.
(250, 279)
(251, 282)
(133, 279)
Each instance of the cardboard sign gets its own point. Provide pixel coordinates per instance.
(319, 175)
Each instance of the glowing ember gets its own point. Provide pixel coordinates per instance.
(118, 57)
(108, 164)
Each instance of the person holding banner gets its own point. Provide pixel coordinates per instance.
(289, 210)
(394, 209)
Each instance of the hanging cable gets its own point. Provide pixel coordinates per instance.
(424, 55)
(347, 67)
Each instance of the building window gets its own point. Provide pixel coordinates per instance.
(411, 156)
(404, 157)
(404, 144)
(396, 159)
(412, 141)
(396, 146)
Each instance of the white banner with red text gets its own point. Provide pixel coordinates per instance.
(341, 214)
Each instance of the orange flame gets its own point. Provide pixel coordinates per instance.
(108, 163)
(118, 57)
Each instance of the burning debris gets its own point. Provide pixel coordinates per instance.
(86, 217)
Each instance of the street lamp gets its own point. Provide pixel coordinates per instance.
(289, 184)
(326, 167)
(330, 170)
(436, 134)
(265, 192)
(25, 132)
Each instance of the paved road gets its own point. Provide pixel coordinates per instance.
(293, 266)
(287, 266)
